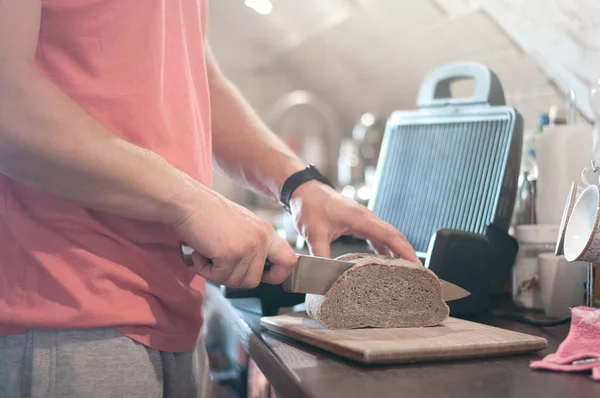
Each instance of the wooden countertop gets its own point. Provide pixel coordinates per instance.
(298, 370)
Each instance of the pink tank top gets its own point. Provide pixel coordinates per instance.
(139, 68)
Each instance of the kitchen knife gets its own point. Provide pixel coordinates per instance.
(315, 275)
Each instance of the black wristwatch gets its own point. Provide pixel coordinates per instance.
(295, 180)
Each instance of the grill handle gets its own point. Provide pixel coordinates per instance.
(435, 89)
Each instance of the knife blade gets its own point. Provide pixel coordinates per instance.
(315, 275)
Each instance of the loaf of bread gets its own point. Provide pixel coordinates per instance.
(380, 292)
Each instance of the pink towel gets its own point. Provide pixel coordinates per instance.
(583, 342)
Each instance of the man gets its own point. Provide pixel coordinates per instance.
(110, 112)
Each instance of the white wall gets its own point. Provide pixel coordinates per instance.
(562, 36)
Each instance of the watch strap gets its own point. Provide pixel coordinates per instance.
(297, 179)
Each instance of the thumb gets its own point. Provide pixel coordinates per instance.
(320, 246)
(283, 258)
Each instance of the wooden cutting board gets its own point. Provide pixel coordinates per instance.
(454, 339)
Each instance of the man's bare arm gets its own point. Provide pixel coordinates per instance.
(244, 147)
(52, 144)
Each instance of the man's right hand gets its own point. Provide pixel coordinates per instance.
(235, 240)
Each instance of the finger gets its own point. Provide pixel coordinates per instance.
(399, 245)
(283, 258)
(387, 235)
(401, 248)
(379, 248)
(206, 269)
(201, 263)
(414, 259)
(255, 271)
(239, 272)
(319, 245)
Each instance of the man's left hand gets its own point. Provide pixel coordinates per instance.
(322, 215)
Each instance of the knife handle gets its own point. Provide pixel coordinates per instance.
(187, 251)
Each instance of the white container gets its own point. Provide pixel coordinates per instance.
(533, 241)
(562, 284)
(562, 152)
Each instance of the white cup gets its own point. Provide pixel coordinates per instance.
(582, 235)
(562, 284)
(574, 192)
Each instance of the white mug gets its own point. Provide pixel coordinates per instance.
(574, 192)
(582, 234)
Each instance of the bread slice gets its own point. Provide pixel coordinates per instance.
(380, 292)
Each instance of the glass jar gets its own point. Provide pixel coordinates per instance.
(533, 240)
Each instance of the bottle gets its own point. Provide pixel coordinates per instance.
(527, 214)
(525, 205)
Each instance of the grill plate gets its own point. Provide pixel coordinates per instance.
(448, 166)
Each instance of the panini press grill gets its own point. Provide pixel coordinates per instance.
(447, 178)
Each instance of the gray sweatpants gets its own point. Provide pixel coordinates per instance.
(95, 363)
